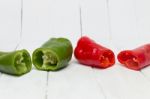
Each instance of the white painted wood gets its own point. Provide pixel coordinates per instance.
(122, 83)
(49, 18)
(9, 24)
(95, 20)
(29, 86)
(33, 84)
(35, 24)
(75, 81)
(123, 23)
(134, 85)
(63, 18)
(119, 82)
(143, 23)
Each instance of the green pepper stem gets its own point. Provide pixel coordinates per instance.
(49, 59)
(20, 63)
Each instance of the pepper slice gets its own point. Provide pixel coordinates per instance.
(16, 62)
(135, 59)
(53, 55)
(89, 53)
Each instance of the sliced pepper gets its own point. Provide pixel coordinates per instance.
(16, 62)
(135, 59)
(53, 55)
(89, 53)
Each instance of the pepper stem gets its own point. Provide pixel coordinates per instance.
(104, 60)
(20, 63)
(49, 59)
(132, 62)
(107, 59)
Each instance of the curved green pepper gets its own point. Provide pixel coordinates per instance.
(16, 62)
(53, 54)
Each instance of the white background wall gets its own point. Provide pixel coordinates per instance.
(117, 24)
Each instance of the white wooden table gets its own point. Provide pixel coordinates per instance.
(117, 24)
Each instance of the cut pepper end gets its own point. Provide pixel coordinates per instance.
(45, 59)
(129, 60)
(22, 62)
(107, 59)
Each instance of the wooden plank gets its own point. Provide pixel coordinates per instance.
(35, 24)
(122, 83)
(143, 23)
(96, 25)
(123, 23)
(119, 82)
(95, 20)
(31, 85)
(63, 18)
(9, 24)
(132, 84)
(75, 81)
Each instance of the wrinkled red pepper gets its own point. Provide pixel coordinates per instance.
(92, 54)
(135, 59)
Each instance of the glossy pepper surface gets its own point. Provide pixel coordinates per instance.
(16, 62)
(53, 54)
(89, 53)
(135, 59)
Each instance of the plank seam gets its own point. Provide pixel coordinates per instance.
(80, 17)
(109, 21)
(46, 89)
(21, 25)
(99, 84)
(81, 31)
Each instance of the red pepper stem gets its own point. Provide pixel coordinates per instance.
(104, 60)
(107, 58)
(132, 62)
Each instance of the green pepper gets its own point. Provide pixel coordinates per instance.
(15, 62)
(53, 55)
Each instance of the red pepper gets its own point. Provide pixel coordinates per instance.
(92, 54)
(135, 59)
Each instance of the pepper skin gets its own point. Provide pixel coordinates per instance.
(53, 55)
(16, 62)
(92, 54)
(135, 59)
